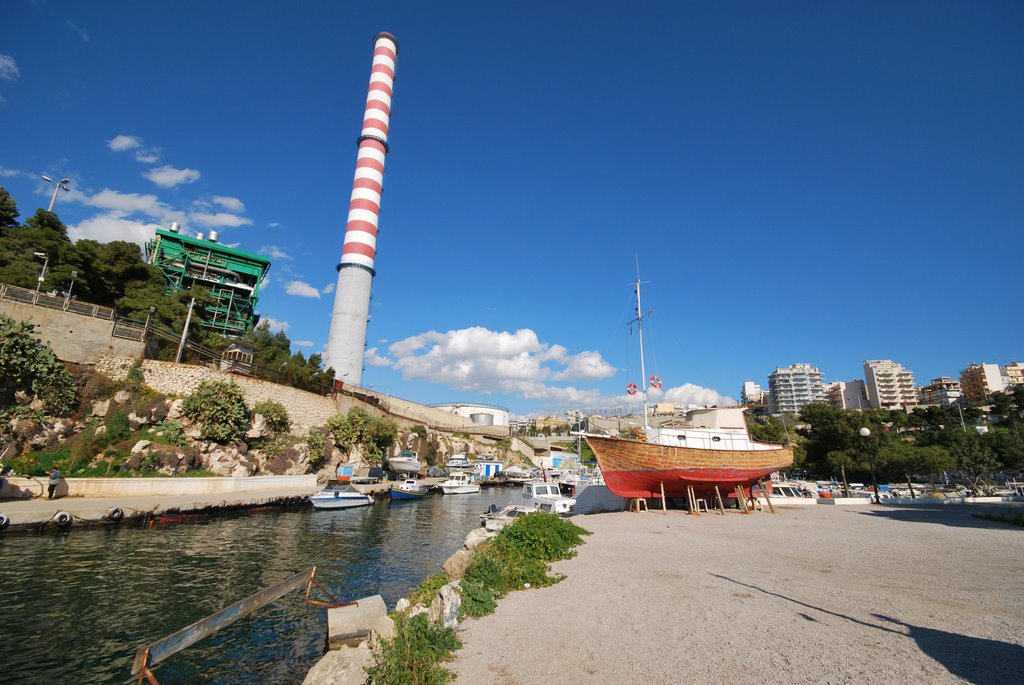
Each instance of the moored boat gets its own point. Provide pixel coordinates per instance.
(495, 519)
(458, 463)
(340, 498)
(459, 484)
(410, 488)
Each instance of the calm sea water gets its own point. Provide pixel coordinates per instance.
(76, 605)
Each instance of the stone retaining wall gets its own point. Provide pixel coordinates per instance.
(73, 337)
(306, 409)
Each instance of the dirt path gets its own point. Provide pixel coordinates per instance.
(809, 595)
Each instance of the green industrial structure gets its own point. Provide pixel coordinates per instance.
(231, 276)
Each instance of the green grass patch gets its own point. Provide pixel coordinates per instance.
(424, 592)
(1013, 517)
(415, 654)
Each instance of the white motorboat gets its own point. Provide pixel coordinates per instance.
(458, 464)
(546, 496)
(407, 462)
(459, 484)
(340, 498)
(495, 519)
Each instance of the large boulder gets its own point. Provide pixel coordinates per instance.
(445, 607)
(456, 564)
(345, 666)
(477, 536)
(383, 629)
(352, 624)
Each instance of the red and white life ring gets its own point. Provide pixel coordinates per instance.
(631, 388)
(655, 382)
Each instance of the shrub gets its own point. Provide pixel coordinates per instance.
(173, 433)
(415, 654)
(275, 415)
(317, 447)
(118, 428)
(477, 599)
(219, 409)
(425, 591)
(31, 367)
(420, 431)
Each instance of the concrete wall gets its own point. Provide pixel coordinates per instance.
(306, 410)
(73, 337)
(20, 487)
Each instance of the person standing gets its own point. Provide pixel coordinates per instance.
(54, 480)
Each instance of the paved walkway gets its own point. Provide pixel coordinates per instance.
(92, 509)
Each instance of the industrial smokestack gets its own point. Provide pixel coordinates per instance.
(355, 272)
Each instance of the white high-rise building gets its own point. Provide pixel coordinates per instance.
(889, 385)
(942, 391)
(979, 381)
(849, 395)
(795, 386)
(751, 393)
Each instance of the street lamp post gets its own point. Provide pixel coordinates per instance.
(61, 185)
(866, 434)
(145, 328)
(67, 298)
(42, 274)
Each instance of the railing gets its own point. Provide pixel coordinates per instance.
(155, 652)
(27, 296)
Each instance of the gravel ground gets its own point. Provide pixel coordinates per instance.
(871, 594)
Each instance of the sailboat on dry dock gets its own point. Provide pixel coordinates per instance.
(710, 447)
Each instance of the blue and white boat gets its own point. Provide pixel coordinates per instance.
(410, 488)
(340, 498)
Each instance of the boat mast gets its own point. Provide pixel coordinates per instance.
(640, 324)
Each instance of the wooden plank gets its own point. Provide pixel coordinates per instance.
(766, 497)
(174, 643)
(721, 504)
(742, 499)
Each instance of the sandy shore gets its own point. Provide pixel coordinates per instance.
(809, 595)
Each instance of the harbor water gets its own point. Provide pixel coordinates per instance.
(77, 604)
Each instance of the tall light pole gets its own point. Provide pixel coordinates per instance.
(42, 274)
(67, 298)
(866, 434)
(145, 328)
(62, 185)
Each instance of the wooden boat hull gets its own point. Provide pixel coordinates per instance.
(400, 493)
(632, 468)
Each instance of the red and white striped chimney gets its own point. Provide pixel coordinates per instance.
(347, 338)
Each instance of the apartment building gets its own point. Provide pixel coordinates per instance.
(979, 381)
(793, 387)
(751, 393)
(942, 392)
(1014, 374)
(848, 395)
(889, 385)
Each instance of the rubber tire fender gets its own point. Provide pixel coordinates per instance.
(63, 519)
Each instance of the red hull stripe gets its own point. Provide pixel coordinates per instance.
(648, 483)
(364, 226)
(367, 183)
(368, 205)
(357, 248)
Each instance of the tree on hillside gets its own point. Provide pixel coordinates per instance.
(30, 367)
(8, 209)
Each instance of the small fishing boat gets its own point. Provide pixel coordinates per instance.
(458, 463)
(410, 488)
(340, 498)
(495, 519)
(546, 496)
(459, 484)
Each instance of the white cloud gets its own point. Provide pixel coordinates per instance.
(303, 343)
(690, 394)
(480, 360)
(232, 204)
(148, 156)
(328, 289)
(11, 173)
(129, 203)
(218, 220)
(274, 252)
(167, 176)
(372, 358)
(275, 325)
(274, 224)
(302, 289)
(112, 226)
(8, 68)
(122, 142)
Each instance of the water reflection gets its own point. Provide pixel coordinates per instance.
(77, 604)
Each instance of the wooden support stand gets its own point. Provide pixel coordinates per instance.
(741, 499)
(638, 504)
(691, 498)
(767, 499)
(721, 504)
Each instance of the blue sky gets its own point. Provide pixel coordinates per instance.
(816, 182)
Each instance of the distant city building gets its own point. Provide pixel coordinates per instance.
(794, 387)
(942, 392)
(751, 393)
(1014, 374)
(979, 381)
(889, 385)
(849, 395)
